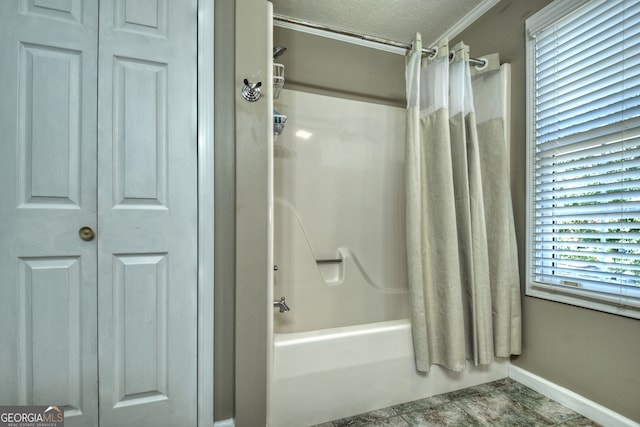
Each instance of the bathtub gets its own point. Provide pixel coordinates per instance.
(323, 375)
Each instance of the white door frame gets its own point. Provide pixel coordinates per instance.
(205, 211)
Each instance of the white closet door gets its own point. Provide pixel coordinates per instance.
(147, 247)
(48, 86)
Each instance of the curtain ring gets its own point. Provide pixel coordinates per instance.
(434, 52)
(485, 64)
(452, 56)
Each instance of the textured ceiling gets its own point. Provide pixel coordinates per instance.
(391, 19)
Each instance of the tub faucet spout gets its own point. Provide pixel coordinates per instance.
(281, 304)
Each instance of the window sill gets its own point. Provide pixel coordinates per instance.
(585, 299)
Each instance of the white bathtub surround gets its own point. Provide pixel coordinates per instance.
(338, 195)
(461, 249)
(329, 374)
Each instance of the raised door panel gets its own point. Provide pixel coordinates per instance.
(49, 336)
(48, 290)
(49, 135)
(142, 16)
(69, 10)
(140, 309)
(140, 126)
(147, 252)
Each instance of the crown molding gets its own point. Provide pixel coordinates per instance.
(467, 20)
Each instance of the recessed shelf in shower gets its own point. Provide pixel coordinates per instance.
(279, 121)
(278, 79)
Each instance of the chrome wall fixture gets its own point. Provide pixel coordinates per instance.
(282, 305)
(251, 91)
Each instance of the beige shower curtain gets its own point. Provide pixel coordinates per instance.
(489, 90)
(463, 279)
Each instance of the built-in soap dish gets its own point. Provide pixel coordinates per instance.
(332, 269)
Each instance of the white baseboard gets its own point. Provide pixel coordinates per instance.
(578, 403)
(225, 423)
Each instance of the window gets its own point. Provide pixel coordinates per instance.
(583, 165)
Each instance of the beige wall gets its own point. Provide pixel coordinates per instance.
(241, 214)
(591, 353)
(253, 125)
(224, 267)
(330, 67)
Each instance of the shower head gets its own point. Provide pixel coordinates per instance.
(278, 50)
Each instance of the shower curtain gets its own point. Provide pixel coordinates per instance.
(461, 248)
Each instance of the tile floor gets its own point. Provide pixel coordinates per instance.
(503, 403)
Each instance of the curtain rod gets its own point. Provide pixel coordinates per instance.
(365, 37)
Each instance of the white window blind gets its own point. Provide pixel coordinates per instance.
(584, 154)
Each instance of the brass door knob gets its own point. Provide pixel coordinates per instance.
(87, 234)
